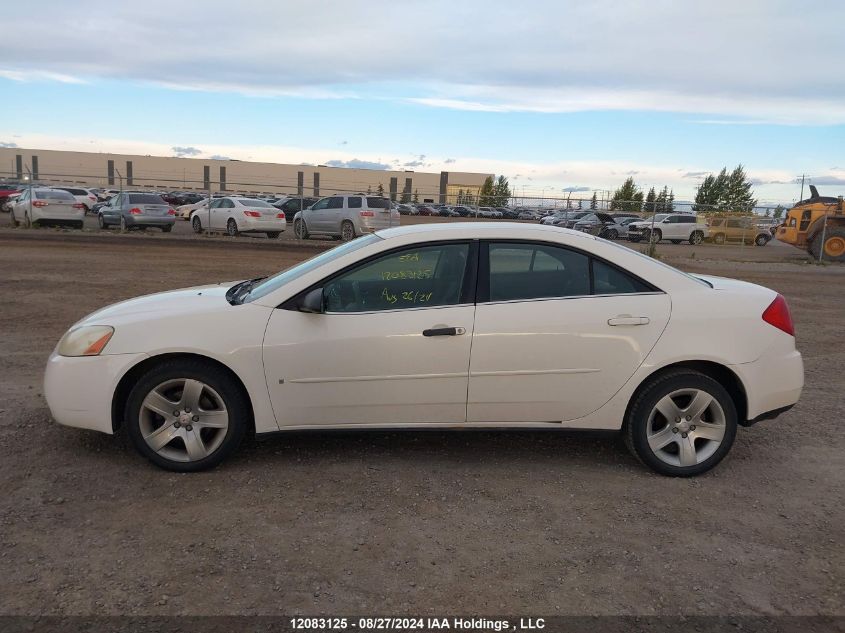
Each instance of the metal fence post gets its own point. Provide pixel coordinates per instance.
(824, 232)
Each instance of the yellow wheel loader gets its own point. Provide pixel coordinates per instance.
(817, 225)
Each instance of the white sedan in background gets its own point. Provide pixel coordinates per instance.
(44, 205)
(183, 212)
(236, 215)
(448, 325)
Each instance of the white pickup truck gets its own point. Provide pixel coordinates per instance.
(675, 227)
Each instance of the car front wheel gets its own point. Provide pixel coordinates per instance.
(681, 424)
(300, 230)
(186, 415)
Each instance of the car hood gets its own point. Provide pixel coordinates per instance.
(181, 302)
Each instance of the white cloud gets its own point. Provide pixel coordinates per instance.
(722, 58)
(182, 152)
(356, 163)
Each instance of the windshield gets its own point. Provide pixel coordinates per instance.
(280, 279)
(54, 194)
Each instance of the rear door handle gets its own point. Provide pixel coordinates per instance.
(444, 331)
(627, 319)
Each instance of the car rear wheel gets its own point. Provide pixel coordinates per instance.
(347, 231)
(300, 230)
(696, 238)
(186, 415)
(682, 423)
(719, 238)
(232, 228)
(196, 224)
(612, 234)
(761, 240)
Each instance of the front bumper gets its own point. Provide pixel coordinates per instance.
(79, 390)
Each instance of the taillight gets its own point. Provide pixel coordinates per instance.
(777, 314)
(252, 214)
(367, 214)
(79, 205)
(39, 203)
(171, 212)
(281, 215)
(135, 211)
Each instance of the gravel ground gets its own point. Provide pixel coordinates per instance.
(411, 522)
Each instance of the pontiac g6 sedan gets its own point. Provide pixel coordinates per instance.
(452, 325)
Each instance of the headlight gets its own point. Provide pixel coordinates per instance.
(88, 340)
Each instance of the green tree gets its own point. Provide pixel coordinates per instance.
(486, 197)
(501, 192)
(380, 189)
(650, 202)
(594, 202)
(406, 197)
(628, 197)
(416, 196)
(779, 211)
(369, 188)
(725, 192)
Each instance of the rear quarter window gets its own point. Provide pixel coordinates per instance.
(378, 203)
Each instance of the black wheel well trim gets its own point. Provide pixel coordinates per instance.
(128, 380)
(723, 374)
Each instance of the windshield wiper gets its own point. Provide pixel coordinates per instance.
(237, 293)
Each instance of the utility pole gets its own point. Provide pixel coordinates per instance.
(802, 186)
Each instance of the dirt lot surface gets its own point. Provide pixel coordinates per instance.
(411, 522)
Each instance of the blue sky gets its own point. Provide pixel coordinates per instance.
(554, 95)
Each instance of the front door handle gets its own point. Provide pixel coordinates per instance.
(627, 319)
(444, 331)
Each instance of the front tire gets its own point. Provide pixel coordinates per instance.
(681, 424)
(761, 240)
(612, 234)
(101, 223)
(232, 228)
(719, 238)
(186, 415)
(196, 224)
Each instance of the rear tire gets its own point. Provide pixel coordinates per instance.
(347, 231)
(761, 240)
(834, 245)
(719, 238)
(659, 434)
(232, 228)
(196, 224)
(300, 230)
(697, 237)
(191, 443)
(612, 234)
(101, 222)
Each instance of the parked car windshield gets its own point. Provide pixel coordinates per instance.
(252, 202)
(145, 198)
(54, 194)
(280, 279)
(378, 203)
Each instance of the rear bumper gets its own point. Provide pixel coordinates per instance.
(259, 225)
(150, 220)
(773, 384)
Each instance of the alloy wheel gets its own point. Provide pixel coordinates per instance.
(686, 427)
(183, 420)
(347, 231)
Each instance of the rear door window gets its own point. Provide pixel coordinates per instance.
(354, 202)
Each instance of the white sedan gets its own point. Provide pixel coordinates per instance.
(236, 215)
(448, 325)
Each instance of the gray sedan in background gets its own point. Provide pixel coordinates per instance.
(131, 209)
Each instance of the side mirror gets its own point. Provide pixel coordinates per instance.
(312, 302)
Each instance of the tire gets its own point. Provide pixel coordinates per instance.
(762, 239)
(680, 447)
(834, 241)
(167, 229)
(232, 228)
(347, 231)
(196, 224)
(676, 241)
(697, 237)
(273, 234)
(300, 230)
(123, 225)
(719, 238)
(101, 222)
(658, 235)
(612, 234)
(173, 442)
